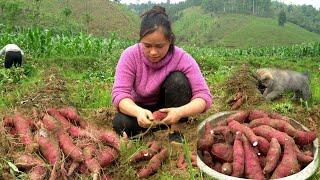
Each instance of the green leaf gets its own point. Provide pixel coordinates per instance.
(13, 167)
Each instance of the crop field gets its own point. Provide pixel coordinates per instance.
(63, 69)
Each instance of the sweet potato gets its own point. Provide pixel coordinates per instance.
(106, 156)
(37, 173)
(272, 157)
(238, 103)
(69, 148)
(110, 138)
(158, 115)
(27, 161)
(146, 154)
(205, 142)
(226, 168)
(72, 167)
(181, 163)
(301, 137)
(236, 126)
(154, 164)
(207, 159)
(269, 132)
(239, 116)
(222, 151)
(22, 127)
(77, 132)
(275, 115)
(56, 114)
(217, 166)
(50, 123)
(238, 156)
(289, 164)
(49, 148)
(255, 114)
(263, 145)
(234, 98)
(252, 165)
(8, 124)
(193, 158)
(72, 115)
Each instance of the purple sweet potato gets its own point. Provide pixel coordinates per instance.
(289, 164)
(273, 156)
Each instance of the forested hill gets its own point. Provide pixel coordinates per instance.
(304, 16)
(99, 17)
(195, 26)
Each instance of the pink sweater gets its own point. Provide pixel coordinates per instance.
(140, 80)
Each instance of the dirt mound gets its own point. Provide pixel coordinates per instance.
(242, 81)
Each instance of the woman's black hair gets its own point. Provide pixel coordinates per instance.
(155, 18)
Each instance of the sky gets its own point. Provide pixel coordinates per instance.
(314, 3)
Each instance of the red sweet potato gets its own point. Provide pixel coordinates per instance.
(154, 164)
(222, 151)
(239, 116)
(106, 156)
(27, 161)
(238, 103)
(255, 114)
(49, 148)
(207, 139)
(226, 168)
(146, 154)
(252, 165)
(301, 137)
(207, 159)
(273, 156)
(56, 114)
(263, 145)
(110, 138)
(236, 126)
(238, 156)
(217, 166)
(71, 114)
(77, 132)
(51, 123)
(37, 173)
(275, 115)
(69, 148)
(289, 164)
(22, 127)
(158, 115)
(269, 132)
(181, 163)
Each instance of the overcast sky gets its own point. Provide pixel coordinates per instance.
(314, 3)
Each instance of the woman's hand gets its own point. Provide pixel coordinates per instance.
(143, 117)
(173, 115)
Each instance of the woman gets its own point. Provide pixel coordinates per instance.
(154, 74)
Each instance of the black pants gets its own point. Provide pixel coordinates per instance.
(175, 91)
(12, 58)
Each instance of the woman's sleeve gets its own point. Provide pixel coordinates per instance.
(124, 78)
(199, 86)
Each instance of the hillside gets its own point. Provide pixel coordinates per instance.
(234, 30)
(98, 17)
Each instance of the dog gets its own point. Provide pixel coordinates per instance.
(277, 81)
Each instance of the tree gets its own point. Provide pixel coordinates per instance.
(282, 18)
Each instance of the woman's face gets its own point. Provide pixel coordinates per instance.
(155, 45)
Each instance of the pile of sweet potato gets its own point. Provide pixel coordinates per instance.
(59, 143)
(255, 145)
(156, 156)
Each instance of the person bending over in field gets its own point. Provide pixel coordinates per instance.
(155, 74)
(13, 55)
